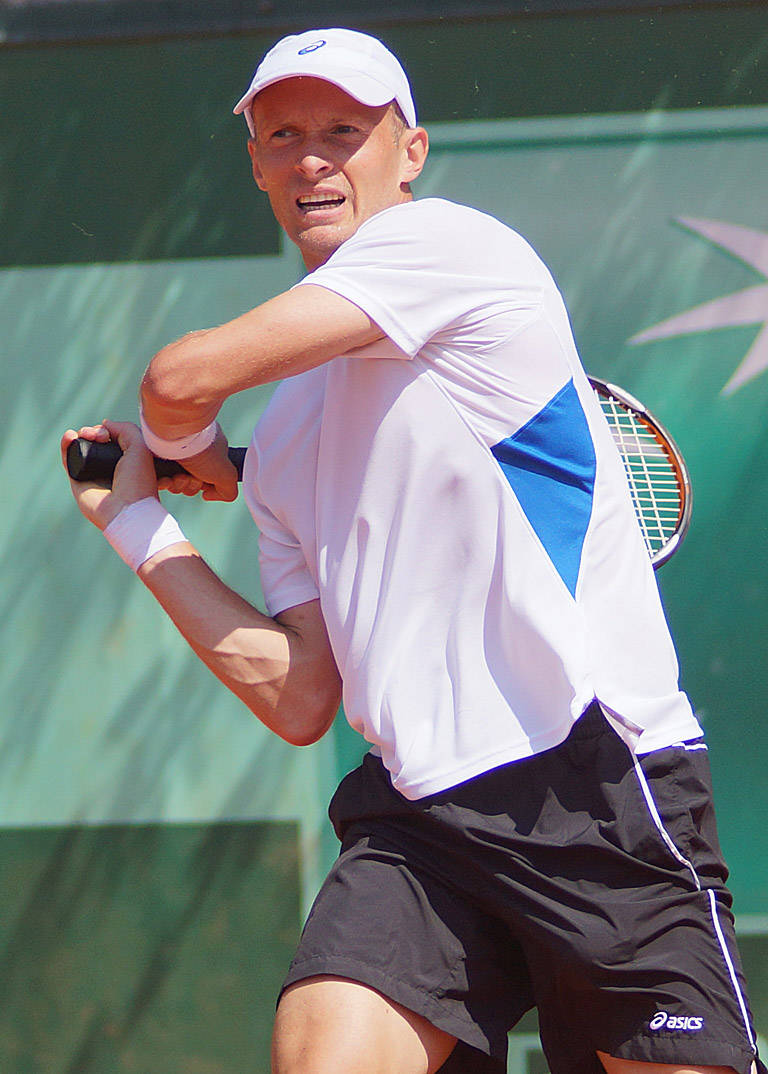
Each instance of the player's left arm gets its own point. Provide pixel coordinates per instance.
(282, 668)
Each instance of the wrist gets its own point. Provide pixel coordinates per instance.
(183, 447)
(141, 530)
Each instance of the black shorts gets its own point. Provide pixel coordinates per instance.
(581, 881)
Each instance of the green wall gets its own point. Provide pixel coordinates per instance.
(151, 947)
(159, 847)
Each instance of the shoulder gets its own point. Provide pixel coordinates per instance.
(435, 229)
(430, 213)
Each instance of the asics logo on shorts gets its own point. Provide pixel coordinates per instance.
(688, 1023)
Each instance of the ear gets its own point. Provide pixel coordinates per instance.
(416, 146)
(256, 170)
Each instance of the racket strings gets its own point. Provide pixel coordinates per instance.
(653, 479)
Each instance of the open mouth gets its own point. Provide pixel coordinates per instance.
(314, 202)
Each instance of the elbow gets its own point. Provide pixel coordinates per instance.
(303, 718)
(305, 736)
(307, 725)
(286, 676)
(176, 376)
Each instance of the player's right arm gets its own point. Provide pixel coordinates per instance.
(187, 381)
(282, 668)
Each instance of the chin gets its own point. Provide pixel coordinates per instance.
(316, 249)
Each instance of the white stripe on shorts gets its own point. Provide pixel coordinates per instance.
(731, 968)
(656, 817)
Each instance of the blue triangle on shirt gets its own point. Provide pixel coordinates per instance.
(550, 465)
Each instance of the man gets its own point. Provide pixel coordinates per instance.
(446, 532)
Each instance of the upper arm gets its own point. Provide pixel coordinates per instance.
(293, 332)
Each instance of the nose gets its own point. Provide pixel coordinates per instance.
(313, 160)
(313, 166)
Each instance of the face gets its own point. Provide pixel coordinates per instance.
(328, 163)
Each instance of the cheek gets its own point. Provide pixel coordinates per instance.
(255, 169)
(275, 189)
(280, 207)
(384, 163)
(261, 175)
(264, 169)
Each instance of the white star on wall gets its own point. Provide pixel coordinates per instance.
(749, 306)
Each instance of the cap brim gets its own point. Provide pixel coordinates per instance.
(363, 88)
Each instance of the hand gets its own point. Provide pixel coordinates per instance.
(134, 475)
(211, 471)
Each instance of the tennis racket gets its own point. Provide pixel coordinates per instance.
(656, 471)
(658, 478)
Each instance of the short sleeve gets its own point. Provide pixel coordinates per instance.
(285, 577)
(420, 268)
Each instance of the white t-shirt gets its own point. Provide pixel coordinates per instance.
(454, 497)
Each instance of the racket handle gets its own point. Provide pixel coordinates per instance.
(88, 460)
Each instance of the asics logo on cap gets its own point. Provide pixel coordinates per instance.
(310, 48)
(688, 1023)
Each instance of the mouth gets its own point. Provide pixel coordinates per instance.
(310, 203)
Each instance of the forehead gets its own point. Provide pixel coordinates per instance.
(303, 98)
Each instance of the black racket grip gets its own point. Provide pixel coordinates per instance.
(88, 460)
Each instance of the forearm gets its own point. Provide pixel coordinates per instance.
(187, 381)
(283, 671)
(282, 668)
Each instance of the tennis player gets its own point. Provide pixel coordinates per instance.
(446, 536)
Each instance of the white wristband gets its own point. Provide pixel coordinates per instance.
(184, 447)
(142, 529)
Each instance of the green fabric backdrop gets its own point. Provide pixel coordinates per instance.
(159, 847)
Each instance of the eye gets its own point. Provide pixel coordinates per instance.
(345, 129)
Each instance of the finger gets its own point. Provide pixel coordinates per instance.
(68, 438)
(78, 487)
(95, 432)
(220, 494)
(125, 432)
(192, 486)
(181, 484)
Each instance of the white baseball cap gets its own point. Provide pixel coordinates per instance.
(355, 62)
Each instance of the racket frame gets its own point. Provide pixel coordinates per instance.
(604, 390)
